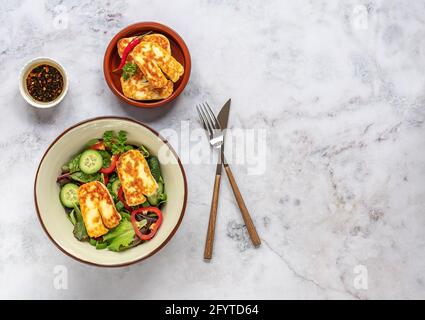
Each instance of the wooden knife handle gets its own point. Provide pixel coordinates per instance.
(244, 211)
(209, 243)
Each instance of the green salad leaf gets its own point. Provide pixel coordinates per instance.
(144, 151)
(153, 163)
(125, 215)
(117, 144)
(160, 196)
(120, 237)
(106, 157)
(119, 205)
(91, 143)
(120, 143)
(80, 231)
(129, 70)
(84, 177)
(71, 217)
(73, 165)
(108, 137)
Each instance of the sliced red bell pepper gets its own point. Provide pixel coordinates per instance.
(127, 50)
(122, 199)
(105, 179)
(98, 146)
(154, 226)
(112, 166)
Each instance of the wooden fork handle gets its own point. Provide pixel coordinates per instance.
(209, 243)
(244, 211)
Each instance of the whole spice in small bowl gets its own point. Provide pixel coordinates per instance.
(43, 82)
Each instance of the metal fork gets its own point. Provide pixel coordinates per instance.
(216, 139)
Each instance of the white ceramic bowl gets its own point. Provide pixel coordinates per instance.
(30, 65)
(52, 215)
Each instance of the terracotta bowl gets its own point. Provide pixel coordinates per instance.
(179, 51)
(52, 214)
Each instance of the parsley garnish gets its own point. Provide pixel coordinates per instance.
(108, 138)
(129, 70)
(117, 144)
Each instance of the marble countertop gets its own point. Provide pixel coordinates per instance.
(338, 88)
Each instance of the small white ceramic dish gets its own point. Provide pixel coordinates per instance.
(52, 214)
(30, 65)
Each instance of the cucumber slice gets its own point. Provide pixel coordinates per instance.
(91, 161)
(154, 166)
(69, 195)
(116, 186)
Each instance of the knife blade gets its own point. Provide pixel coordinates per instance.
(223, 115)
(223, 119)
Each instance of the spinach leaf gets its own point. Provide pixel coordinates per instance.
(106, 158)
(73, 165)
(153, 163)
(80, 231)
(91, 143)
(71, 217)
(119, 206)
(84, 177)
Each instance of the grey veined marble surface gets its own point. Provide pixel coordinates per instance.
(338, 87)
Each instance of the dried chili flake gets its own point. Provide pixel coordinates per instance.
(45, 83)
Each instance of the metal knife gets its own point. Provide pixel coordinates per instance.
(223, 118)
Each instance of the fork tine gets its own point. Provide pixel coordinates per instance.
(213, 117)
(208, 117)
(204, 120)
(200, 117)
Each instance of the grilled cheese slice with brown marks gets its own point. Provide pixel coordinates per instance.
(157, 38)
(137, 87)
(143, 56)
(97, 208)
(136, 178)
(154, 61)
(170, 66)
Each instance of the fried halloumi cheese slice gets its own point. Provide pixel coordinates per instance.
(157, 38)
(136, 178)
(138, 88)
(154, 61)
(97, 208)
(143, 56)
